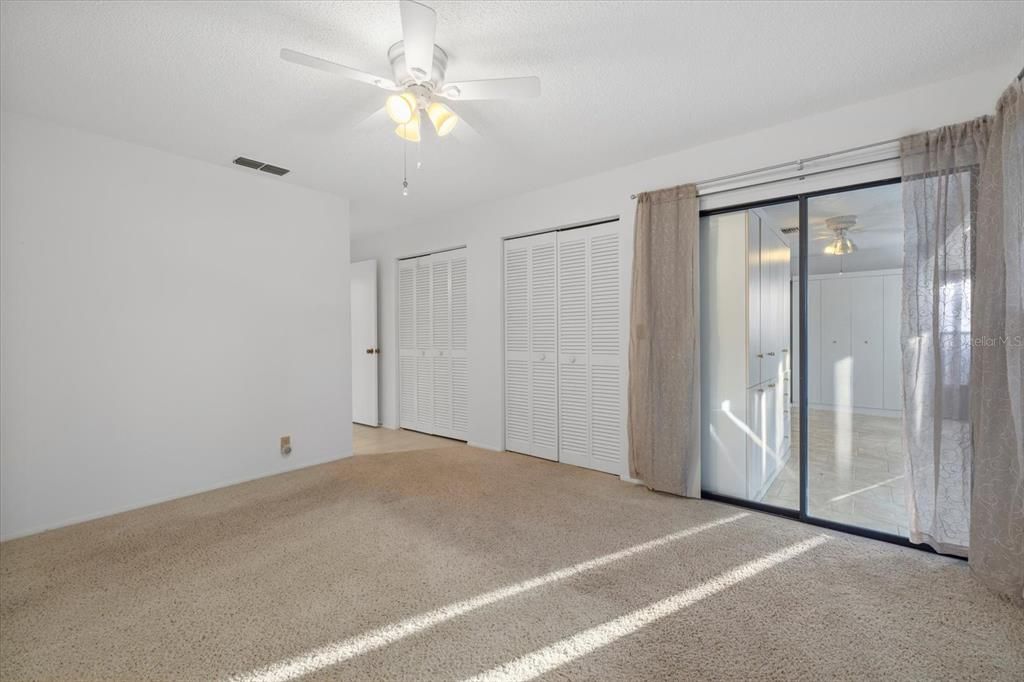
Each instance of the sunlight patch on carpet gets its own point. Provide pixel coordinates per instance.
(571, 648)
(339, 652)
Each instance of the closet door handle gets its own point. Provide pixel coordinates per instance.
(772, 354)
(760, 355)
(771, 385)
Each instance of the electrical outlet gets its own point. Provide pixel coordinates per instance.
(286, 446)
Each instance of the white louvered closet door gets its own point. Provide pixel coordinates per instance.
(573, 340)
(459, 345)
(433, 344)
(531, 371)
(424, 347)
(518, 424)
(544, 346)
(407, 354)
(441, 321)
(606, 349)
(591, 358)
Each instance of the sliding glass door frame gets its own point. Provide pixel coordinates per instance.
(802, 514)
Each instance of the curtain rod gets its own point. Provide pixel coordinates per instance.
(798, 162)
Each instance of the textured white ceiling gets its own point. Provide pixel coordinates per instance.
(622, 81)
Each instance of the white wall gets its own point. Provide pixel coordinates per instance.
(164, 322)
(482, 227)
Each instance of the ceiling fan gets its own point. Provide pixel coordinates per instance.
(840, 243)
(418, 68)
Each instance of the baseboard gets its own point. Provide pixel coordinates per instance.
(484, 447)
(74, 521)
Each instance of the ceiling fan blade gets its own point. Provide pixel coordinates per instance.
(419, 26)
(494, 88)
(465, 133)
(331, 67)
(375, 122)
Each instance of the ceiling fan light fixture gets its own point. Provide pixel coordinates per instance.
(443, 118)
(842, 246)
(401, 108)
(410, 132)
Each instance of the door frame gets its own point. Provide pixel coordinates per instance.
(801, 514)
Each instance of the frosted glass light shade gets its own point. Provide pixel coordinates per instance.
(443, 118)
(401, 108)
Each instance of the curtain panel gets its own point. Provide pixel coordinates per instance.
(962, 336)
(664, 343)
(940, 170)
(997, 504)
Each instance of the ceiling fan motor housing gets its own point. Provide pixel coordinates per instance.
(402, 75)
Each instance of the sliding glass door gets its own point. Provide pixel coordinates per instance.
(748, 259)
(801, 358)
(855, 463)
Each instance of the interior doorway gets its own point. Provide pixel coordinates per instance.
(365, 352)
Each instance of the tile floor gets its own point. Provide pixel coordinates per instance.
(856, 471)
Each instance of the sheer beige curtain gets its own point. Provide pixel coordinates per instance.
(962, 336)
(664, 343)
(997, 503)
(939, 178)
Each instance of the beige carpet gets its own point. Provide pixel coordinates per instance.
(454, 563)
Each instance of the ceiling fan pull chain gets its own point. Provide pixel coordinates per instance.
(405, 166)
(419, 153)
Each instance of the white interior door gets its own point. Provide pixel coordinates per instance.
(364, 342)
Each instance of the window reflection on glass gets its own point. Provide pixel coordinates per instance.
(855, 456)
